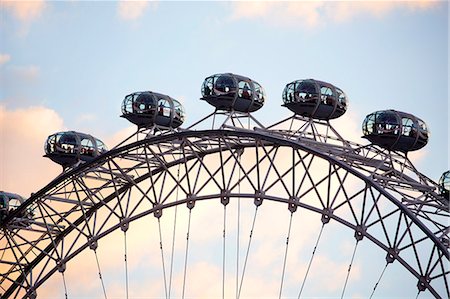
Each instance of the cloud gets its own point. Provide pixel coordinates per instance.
(279, 13)
(132, 10)
(28, 73)
(4, 58)
(24, 170)
(311, 14)
(25, 11)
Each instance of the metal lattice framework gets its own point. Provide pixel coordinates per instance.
(379, 195)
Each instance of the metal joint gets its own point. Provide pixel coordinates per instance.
(225, 197)
(258, 198)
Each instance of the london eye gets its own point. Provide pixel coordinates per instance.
(193, 211)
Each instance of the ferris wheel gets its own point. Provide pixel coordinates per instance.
(232, 208)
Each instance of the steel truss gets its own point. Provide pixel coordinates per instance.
(377, 194)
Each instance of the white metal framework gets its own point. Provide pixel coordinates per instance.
(301, 163)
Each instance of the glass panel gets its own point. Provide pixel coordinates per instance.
(326, 95)
(289, 93)
(14, 203)
(423, 127)
(369, 124)
(224, 85)
(408, 128)
(244, 90)
(143, 103)
(386, 123)
(66, 143)
(259, 93)
(164, 107)
(101, 147)
(284, 96)
(127, 104)
(207, 87)
(342, 99)
(50, 144)
(307, 92)
(87, 147)
(179, 111)
(446, 181)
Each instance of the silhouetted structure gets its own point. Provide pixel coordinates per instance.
(69, 148)
(146, 109)
(9, 202)
(315, 99)
(395, 130)
(232, 92)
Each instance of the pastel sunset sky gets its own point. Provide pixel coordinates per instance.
(67, 65)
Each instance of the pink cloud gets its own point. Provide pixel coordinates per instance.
(312, 14)
(27, 73)
(4, 58)
(25, 11)
(132, 10)
(23, 133)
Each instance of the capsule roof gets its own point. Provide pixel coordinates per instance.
(231, 92)
(395, 130)
(315, 99)
(147, 108)
(69, 148)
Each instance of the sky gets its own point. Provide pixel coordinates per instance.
(67, 65)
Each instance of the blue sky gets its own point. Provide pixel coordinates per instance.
(67, 65)
(81, 58)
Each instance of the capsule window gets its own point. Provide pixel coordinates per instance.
(369, 125)
(342, 100)
(164, 107)
(245, 91)
(423, 128)
(444, 182)
(259, 93)
(306, 91)
(207, 87)
(87, 147)
(289, 93)
(179, 112)
(143, 103)
(50, 144)
(127, 105)
(223, 85)
(101, 147)
(386, 123)
(408, 128)
(326, 95)
(14, 203)
(66, 143)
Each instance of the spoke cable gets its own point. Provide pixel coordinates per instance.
(162, 256)
(172, 249)
(187, 251)
(100, 274)
(248, 251)
(238, 228)
(224, 249)
(65, 285)
(349, 269)
(285, 255)
(174, 231)
(379, 279)
(310, 261)
(126, 261)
